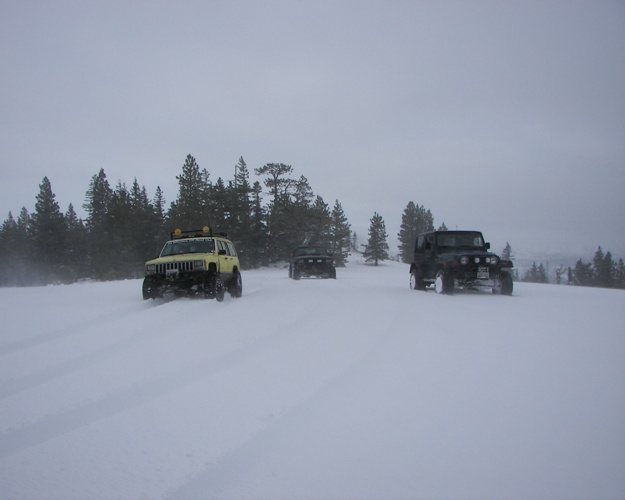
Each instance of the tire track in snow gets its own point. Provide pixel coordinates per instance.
(15, 386)
(67, 331)
(53, 426)
(32, 380)
(230, 476)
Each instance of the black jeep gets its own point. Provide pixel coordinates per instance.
(309, 261)
(458, 259)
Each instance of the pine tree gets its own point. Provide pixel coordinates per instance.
(597, 266)
(159, 222)
(76, 253)
(146, 225)
(297, 222)
(97, 202)
(340, 233)
(415, 220)
(281, 220)
(276, 180)
(15, 251)
(219, 208)
(48, 235)
(7, 256)
(241, 225)
(159, 204)
(608, 271)
(27, 273)
(603, 269)
(121, 259)
(191, 208)
(583, 273)
(619, 275)
(507, 254)
(319, 223)
(377, 248)
(354, 242)
(257, 239)
(408, 233)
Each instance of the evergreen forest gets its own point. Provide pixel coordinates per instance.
(124, 226)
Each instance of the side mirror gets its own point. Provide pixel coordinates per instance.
(487, 246)
(222, 252)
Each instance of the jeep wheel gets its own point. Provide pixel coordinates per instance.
(296, 274)
(214, 287)
(236, 285)
(150, 289)
(504, 285)
(444, 283)
(416, 282)
(220, 289)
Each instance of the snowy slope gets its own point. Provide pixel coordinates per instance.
(354, 388)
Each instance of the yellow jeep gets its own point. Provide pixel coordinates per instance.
(194, 262)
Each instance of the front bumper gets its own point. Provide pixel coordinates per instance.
(475, 277)
(314, 267)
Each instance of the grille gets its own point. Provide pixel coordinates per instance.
(180, 266)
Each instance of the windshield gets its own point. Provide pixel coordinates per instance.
(188, 246)
(450, 239)
(310, 251)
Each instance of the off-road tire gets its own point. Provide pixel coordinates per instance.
(444, 283)
(220, 289)
(214, 287)
(416, 282)
(150, 289)
(235, 287)
(505, 285)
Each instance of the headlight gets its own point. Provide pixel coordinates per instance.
(492, 260)
(198, 265)
(476, 260)
(150, 269)
(464, 260)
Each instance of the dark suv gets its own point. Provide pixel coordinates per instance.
(308, 261)
(458, 259)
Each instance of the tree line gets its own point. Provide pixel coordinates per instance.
(124, 227)
(603, 271)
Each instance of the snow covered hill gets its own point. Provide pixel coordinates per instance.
(354, 388)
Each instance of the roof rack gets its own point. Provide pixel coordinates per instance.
(178, 234)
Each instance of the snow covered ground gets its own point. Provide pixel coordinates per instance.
(355, 388)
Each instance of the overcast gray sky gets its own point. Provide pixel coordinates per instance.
(504, 116)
